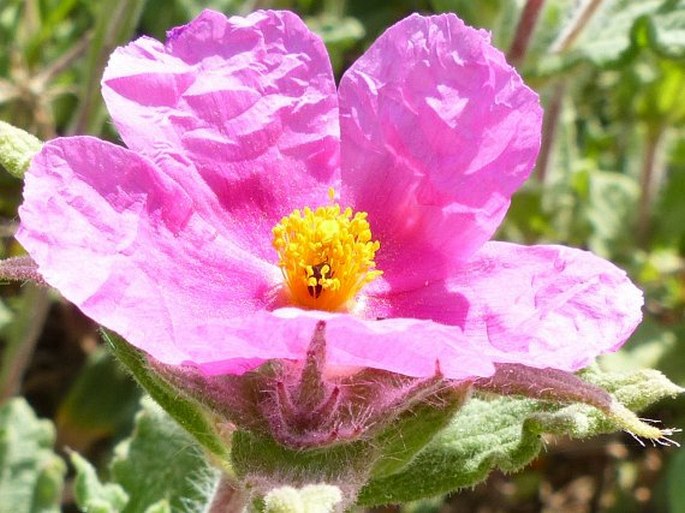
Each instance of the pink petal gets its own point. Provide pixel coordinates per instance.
(242, 112)
(405, 346)
(540, 306)
(121, 240)
(438, 131)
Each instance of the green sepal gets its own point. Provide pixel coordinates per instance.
(255, 456)
(192, 415)
(90, 494)
(415, 428)
(263, 464)
(17, 148)
(632, 392)
(492, 432)
(32, 475)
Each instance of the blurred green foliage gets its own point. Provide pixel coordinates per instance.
(610, 177)
(31, 474)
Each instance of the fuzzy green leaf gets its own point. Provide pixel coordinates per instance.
(91, 495)
(17, 148)
(100, 403)
(31, 474)
(158, 470)
(187, 412)
(161, 464)
(504, 432)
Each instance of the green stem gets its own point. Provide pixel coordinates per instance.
(334, 8)
(116, 22)
(62, 63)
(648, 179)
(549, 129)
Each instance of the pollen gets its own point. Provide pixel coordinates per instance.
(326, 256)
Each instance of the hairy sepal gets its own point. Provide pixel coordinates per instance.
(504, 432)
(189, 412)
(292, 423)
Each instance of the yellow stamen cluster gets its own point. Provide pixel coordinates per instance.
(326, 256)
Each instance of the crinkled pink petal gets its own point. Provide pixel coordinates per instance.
(406, 346)
(438, 131)
(242, 112)
(122, 241)
(540, 306)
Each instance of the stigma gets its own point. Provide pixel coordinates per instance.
(326, 256)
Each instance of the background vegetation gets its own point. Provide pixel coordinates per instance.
(610, 178)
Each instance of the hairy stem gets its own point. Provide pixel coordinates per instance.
(228, 498)
(21, 268)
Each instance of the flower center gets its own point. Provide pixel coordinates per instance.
(326, 256)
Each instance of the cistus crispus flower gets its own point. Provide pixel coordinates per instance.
(254, 200)
(307, 269)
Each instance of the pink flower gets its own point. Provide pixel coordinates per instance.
(233, 124)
